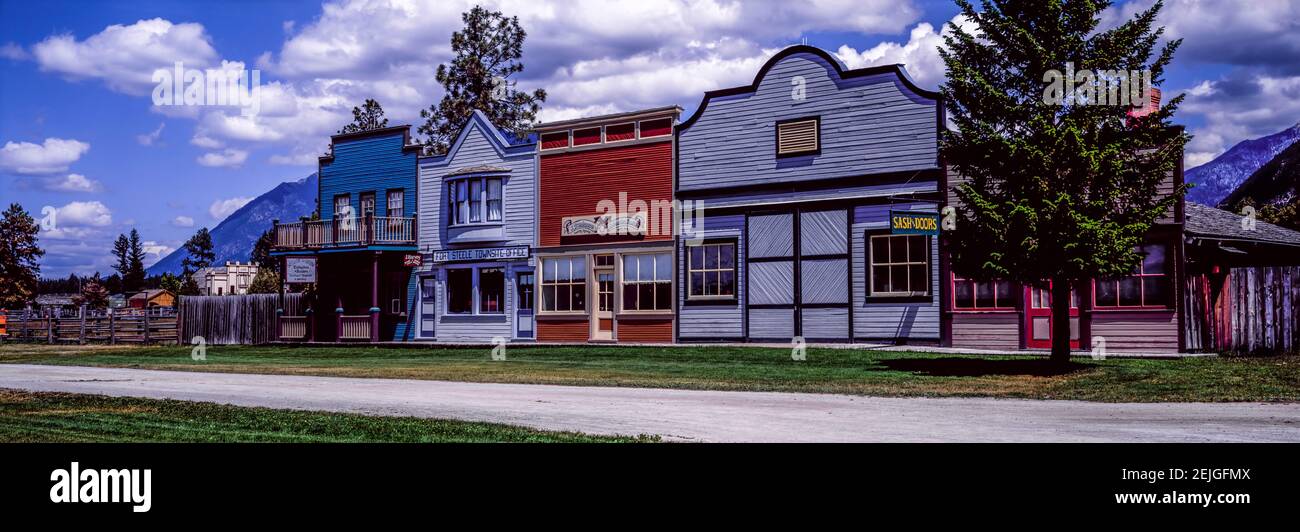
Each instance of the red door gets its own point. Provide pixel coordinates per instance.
(1038, 317)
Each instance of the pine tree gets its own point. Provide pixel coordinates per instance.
(133, 280)
(487, 52)
(199, 248)
(262, 250)
(122, 251)
(365, 118)
(1059, 192)
(20, 256)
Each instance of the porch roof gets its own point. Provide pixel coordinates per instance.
(1209, 223)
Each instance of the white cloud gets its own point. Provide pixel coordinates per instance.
(919, 55)
(14, 52)
(125, 57)
(149, 138)
(228, 158)
(183, 221)
(222, 208)
(50, 157)
(72, 183)
(83, 214)
(204, 141)
(155, 249)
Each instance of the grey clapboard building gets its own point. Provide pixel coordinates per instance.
(797, 175)
(478, 214)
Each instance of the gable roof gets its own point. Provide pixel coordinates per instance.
(505, 146)
(1208, 222)
(840, 70)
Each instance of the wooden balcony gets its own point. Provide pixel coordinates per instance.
(341, 232)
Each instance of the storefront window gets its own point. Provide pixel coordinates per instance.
(982, 295)
(460, 291)
(711, 271)
(492, 290)
(899, 265)
(564, 284)
(647, 281)
(1149, 287)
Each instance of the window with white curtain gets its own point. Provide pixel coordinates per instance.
(474, 200)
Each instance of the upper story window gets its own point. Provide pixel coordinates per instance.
(1148, 287)
(367, 204)
(656, 128)
(620, 132)
(396, 203)
(342, 205)
(800, 136)
(474, 200)
(582, 137)
(555, 141)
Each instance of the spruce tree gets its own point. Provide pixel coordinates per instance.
(1061, 192)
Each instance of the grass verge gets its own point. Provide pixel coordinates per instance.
(62, 417)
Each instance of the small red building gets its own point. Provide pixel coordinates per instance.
(605, 228)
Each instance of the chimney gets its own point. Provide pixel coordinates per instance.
(1151, 106)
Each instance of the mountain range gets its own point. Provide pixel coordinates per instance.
(1217, 179)
(233, 238)
(1274, 183)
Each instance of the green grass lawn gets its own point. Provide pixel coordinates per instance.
(851, 371)
(61, 417)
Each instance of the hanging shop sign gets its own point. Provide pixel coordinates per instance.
(412, 260)
(300, 269)
(477, 254)
(604, 224)
(913, 223)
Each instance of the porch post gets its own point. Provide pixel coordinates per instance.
(338, 320)
(374, 297)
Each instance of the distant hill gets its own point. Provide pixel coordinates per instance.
(233, 238)
(1216, 179)
(1274, 183)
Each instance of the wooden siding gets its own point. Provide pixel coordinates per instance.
(1136, 331)
(713, 321)
(771, 236)
(771, 324)
(574, 184)
(883, 319)
(826, 323)
(368, 164)
(986, 330)
(869, 124)
(771, 283)
(1250, 309)
(645, 330)
(824, 281)
(563, 330)
(823, 232)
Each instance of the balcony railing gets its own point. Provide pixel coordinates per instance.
(341, 232)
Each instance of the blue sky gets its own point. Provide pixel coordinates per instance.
(80, 133)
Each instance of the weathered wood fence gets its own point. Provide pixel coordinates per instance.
(120, 326)
(1252, 310)
(223, 320)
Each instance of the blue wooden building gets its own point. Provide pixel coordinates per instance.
(477, 225)
(797, 175)
(359, 254)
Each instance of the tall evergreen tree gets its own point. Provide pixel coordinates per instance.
(20, 255)
(487, 52)
(262, 250)
(122, 252)
(365, 118)
(200, 255)
(1060, 192)
(133, 280)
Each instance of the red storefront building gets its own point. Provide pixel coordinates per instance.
(605, 228)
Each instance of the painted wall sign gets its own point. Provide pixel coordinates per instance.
(913, 223)
(300, 269)
(604, 224)
(412, 260)
(502, 253)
